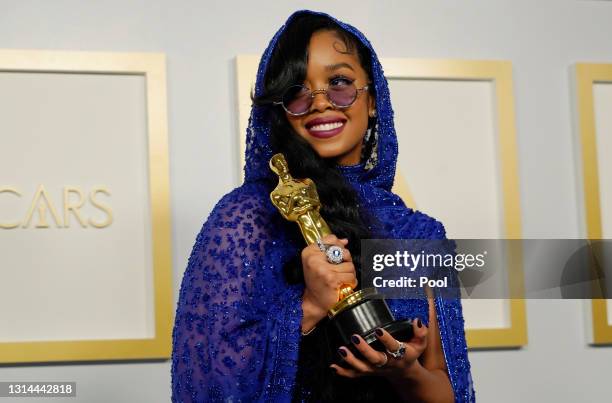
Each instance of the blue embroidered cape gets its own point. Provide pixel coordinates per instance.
(237, 330)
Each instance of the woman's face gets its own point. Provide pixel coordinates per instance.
(341, 134)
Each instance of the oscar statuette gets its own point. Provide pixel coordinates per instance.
(356, 312)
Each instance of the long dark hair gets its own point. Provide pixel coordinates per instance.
(340, 203)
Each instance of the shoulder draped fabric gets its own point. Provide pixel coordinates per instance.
(237, 328)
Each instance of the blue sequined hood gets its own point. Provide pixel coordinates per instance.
(258, 151)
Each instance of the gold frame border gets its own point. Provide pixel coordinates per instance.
(500, 73)
(585, 76)
(153, 67)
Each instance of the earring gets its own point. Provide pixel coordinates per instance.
(373, 157)
(373, 113)
(368, 133)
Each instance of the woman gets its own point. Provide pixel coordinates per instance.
(252, 294)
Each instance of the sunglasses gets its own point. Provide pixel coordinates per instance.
(297, 99)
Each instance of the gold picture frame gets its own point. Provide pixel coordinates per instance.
(585, 75)
(498, 72)
(152, 66)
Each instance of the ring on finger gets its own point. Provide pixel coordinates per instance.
(334, 253)
(399, 353)
(321, 245)
(384, 363)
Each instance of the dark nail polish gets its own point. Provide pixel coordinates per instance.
(342, 352)
(419, 323)
(334, 370)
(379, 332)
(355, 339)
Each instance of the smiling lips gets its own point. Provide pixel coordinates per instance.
(325, 127)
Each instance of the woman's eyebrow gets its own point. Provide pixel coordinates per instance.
(337, 66)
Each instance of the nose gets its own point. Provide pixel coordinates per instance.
(320, 102)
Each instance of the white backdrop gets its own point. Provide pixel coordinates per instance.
(69, 282)
(542, 38)
(447, 135)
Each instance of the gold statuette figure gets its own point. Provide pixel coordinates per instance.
(298, 201)
(359, 312)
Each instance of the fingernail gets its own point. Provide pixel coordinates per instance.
(379, 332)
(342, 352)
(334, 370)
(419, 323)
(355, 339)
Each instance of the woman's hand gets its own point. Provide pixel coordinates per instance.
(383, 364)
(420, 375)
(323, 280)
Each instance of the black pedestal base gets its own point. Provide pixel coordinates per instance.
(363, 318)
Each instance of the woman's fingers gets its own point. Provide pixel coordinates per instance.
(354, 362)
(331, 239)
(346, 278)
(414, 347)
(391, 344)
(372, 356)
(347, 372)
(378, 363)
(419, 341)
(345, 267)
(346, 255)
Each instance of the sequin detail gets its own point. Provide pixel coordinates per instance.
(237, 332)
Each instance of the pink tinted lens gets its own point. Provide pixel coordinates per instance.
(342, 95)
(297, 99)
